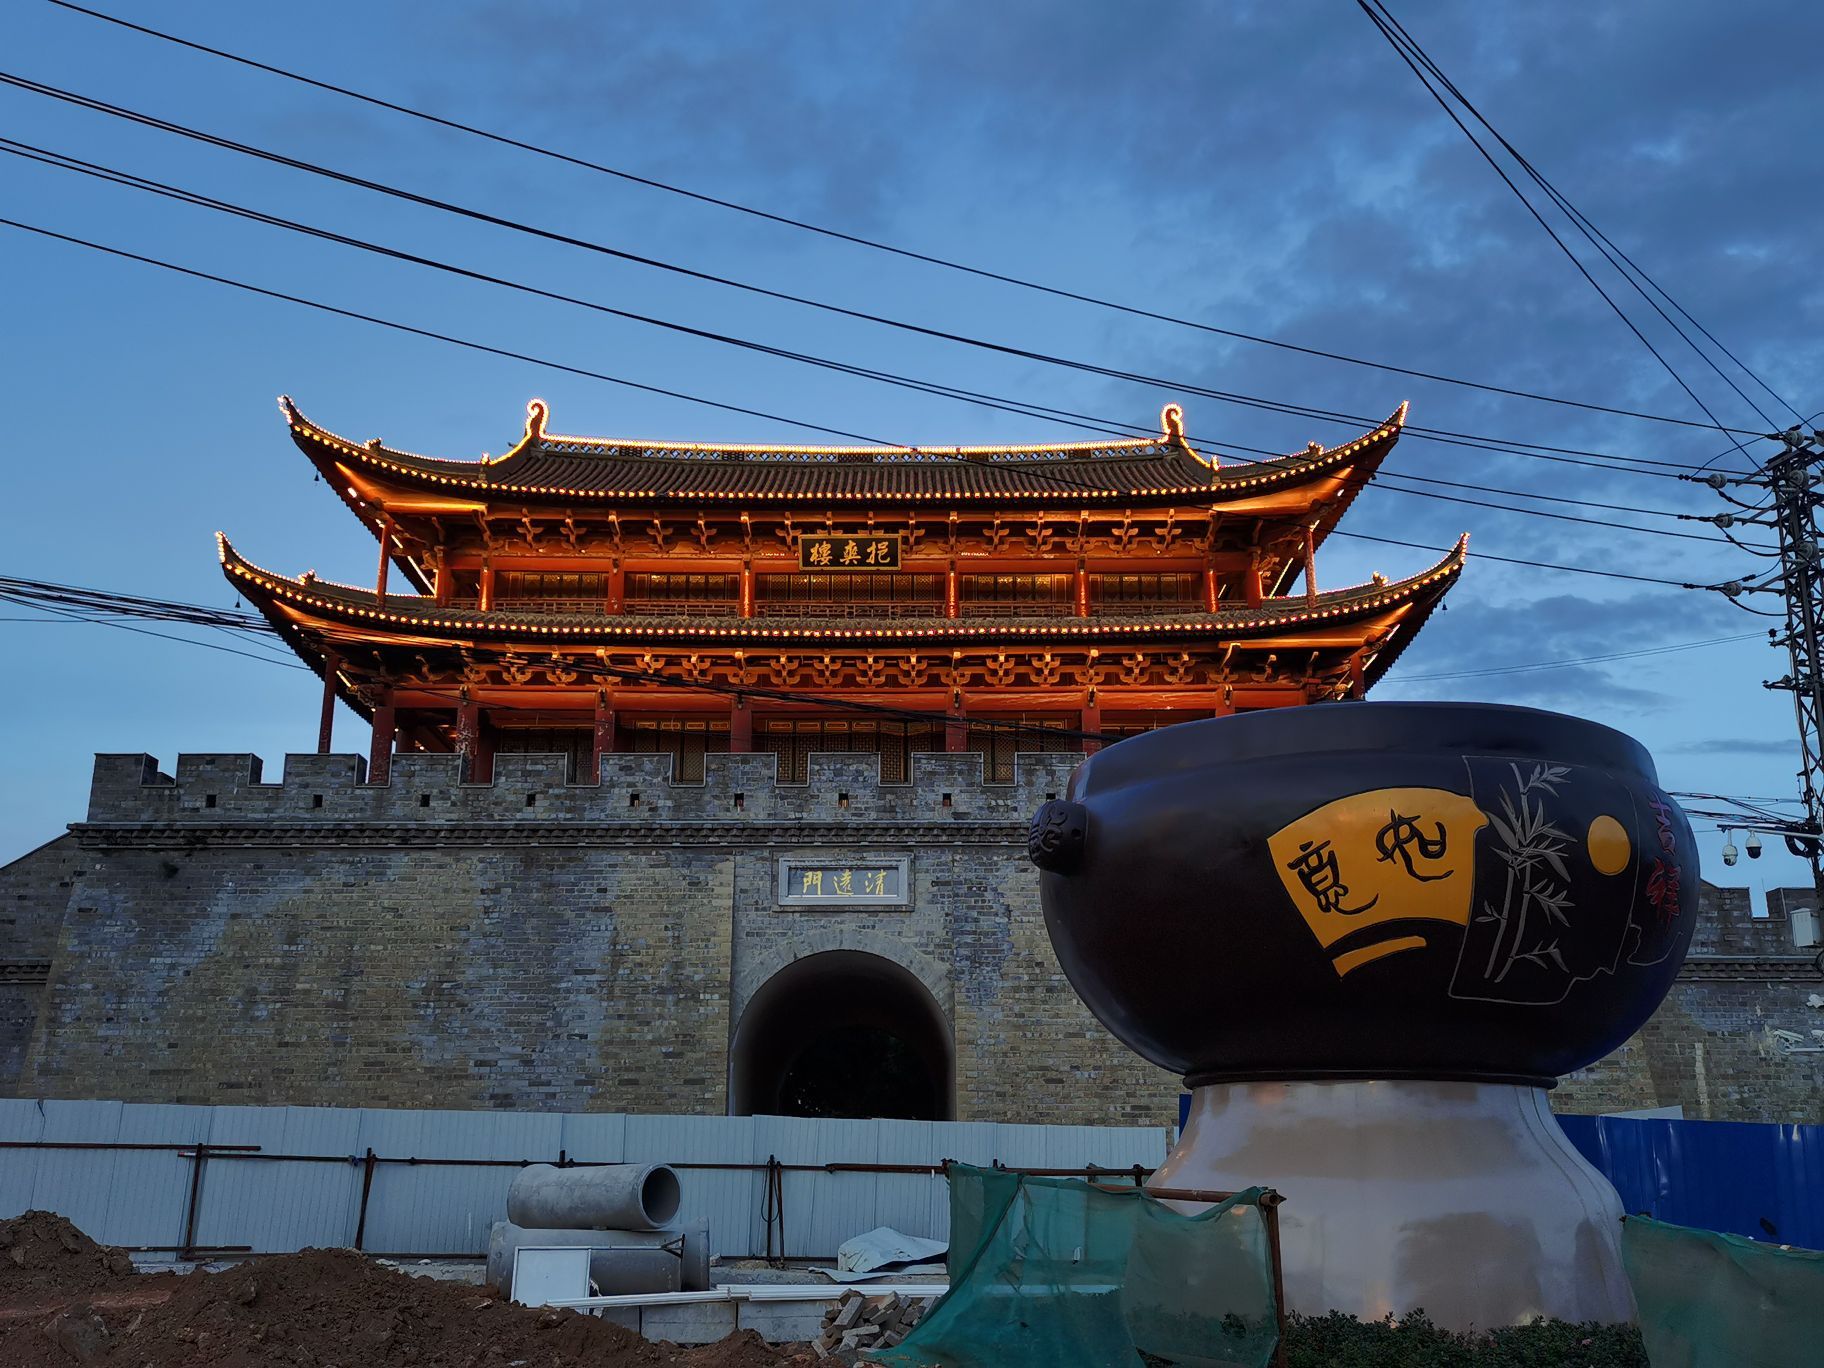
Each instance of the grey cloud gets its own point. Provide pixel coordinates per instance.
(1738, 745)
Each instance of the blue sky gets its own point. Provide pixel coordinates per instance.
(1270, 168)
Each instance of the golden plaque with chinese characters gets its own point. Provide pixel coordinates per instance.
(840, 551)
(881, 882)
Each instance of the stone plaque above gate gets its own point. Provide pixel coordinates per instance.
(879, 882)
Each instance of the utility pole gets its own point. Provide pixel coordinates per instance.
(1793, 480)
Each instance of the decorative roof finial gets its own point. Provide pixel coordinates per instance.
(1171, 424)
(536, 413)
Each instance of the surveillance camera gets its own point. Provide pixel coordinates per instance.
(1730, 853)
(1753, 846)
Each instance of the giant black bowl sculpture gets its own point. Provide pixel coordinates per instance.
(1370, 890)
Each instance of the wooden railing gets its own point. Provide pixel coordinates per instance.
(685, 608)
(907, 609)
(996, 608)
(1145, 607)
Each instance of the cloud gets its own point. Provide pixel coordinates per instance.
(1738, 745)
(1483, 634)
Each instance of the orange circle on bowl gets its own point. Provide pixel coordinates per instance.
(1608, 845)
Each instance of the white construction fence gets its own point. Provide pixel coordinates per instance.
(198, 1179)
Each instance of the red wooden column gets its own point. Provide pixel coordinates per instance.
(484, 753)
(1082, 591)
(1310, 566)
(617, 589)
(326, 720)
(747, 589)
(484, 587)
(604, 734)
(1255, 597)
(740, 727)
(386, 558)
(956, 734)
(440, 585)
(950, 590)
(1210, 589)
(1090, 720)
(1358, 685)
(380, 752)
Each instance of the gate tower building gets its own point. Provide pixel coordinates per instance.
(584, 596)
(697, 779)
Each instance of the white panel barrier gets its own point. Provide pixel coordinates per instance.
(274, 1179)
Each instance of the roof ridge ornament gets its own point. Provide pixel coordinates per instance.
(1171, 427)
(537, 412)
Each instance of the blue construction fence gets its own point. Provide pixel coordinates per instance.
(1761, 1181)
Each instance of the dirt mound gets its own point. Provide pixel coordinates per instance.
(41, 1252)
(337, 1309)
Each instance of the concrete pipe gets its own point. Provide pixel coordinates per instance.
(621, 1262)
(603, 1197)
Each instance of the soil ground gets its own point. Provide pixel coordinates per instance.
(65, 1300)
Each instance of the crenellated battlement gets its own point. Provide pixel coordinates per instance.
(131, 789)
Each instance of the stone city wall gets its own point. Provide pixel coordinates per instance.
(34, 890)
(211, 937)
(533, 943)
(1740, 1038)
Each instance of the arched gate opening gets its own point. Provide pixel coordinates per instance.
(843, 1034)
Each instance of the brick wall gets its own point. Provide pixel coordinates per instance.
(538, 943)
(534, 943)
(1740, 1038)
(34, 890)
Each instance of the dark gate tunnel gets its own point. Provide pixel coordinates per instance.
(843, 1033)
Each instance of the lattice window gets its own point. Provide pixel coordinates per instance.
(1035, 735)
(686, 741)
(794, 742)
(1155, 588)
(1017, 588)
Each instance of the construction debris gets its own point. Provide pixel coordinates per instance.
(858, 1323)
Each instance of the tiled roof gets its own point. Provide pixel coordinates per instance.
(587, 469)
(420, 619)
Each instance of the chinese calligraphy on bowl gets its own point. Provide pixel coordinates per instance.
(1536, 874)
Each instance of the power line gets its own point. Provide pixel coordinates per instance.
(131, 180)
(44, 596)
(1530, 564)
(1544, 513)
(851, 238)
(617, 380)
(1022, 353)
(1405, 56)
(124, 605)
(1615, 255)
(50, 597)
(167, 636)
(432, 335)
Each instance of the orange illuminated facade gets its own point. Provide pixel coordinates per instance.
(583, 595)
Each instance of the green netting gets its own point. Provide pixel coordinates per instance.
(1048, 1271)
(1720, 1301)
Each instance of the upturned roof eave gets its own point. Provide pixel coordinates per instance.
(358, 608)
(323, 460)
(1055, 482)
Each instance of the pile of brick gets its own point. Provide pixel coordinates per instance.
(858, 1323)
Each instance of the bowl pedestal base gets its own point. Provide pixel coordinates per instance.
(1464, 1199)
